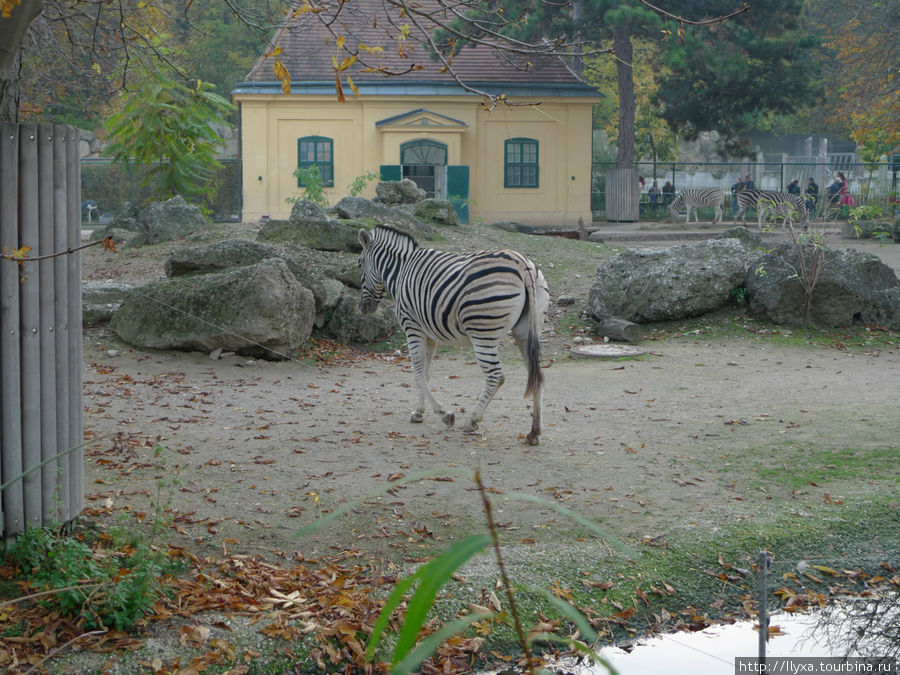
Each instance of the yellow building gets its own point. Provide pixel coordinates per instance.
(527, 160)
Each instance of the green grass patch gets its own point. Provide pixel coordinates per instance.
(820, 467)
(710, 569)
(728, 324)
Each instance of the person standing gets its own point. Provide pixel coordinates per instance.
(737, 187)
(654, 192)
(748, 182)
(794, 187)
(812, 196)
(845, 198)
(668, 193)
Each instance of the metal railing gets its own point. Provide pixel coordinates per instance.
(109, 186)
(874, 185)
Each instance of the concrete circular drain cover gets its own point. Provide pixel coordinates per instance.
(605, 351)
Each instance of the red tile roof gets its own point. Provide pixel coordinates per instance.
(309, 48)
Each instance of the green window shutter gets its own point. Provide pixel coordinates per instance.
(389, 172)
(520, 166)
(458, 191)
(317, 151)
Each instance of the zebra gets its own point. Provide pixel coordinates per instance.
(768, 202)
(453, 298)
(693, 198)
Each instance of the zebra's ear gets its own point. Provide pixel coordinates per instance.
(365, 239)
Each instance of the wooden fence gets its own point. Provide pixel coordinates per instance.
(40, 328)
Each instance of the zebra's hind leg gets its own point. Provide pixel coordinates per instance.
(529, 345)
(421, 351)
(488, 357)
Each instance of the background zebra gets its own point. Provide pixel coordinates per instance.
(771, 202)
(693, 198)
(450, 298)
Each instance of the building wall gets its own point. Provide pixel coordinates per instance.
(271, 125)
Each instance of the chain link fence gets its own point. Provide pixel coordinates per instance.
(106, 188)
(871, 185)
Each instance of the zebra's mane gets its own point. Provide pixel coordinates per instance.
(398, 234)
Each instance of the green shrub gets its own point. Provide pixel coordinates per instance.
(108, 587)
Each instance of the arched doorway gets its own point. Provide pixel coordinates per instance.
(425, 163)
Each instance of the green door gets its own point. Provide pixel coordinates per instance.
(458, 191)
(390, 172)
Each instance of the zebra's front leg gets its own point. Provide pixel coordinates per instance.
(488, 357)
(421, 351)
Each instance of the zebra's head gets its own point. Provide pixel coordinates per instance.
(371, 282)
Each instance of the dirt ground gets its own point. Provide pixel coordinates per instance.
(254, 450)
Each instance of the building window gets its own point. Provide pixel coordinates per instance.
(316, 151)
(521, 165)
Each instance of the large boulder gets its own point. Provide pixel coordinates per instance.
(398, 192)
(321, 234)
(358, 207)
(749, 238)
(664, 284)
(436, 211)
(884, 309)
(100, 300)
(314, 270)
(842, 294)
(159, 222)
(345, 323)
(305, 208)
(259, 310)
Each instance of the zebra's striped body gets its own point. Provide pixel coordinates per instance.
(450, 298)
(771, 202)
(693, 198)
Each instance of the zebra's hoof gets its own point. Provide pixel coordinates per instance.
(416, 417)
(533, 439)
(449, 419)
(470, 427)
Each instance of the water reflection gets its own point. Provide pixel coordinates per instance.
(857, 627)
(865, 626)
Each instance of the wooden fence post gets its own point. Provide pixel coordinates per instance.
(40, 328)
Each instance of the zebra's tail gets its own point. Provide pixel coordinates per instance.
(537, 303)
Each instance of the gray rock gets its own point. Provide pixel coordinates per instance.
(867, 229)
(100, 300)
(160, 221)
(843, 293)
(664, 284)
(316, 270)
(259, 310)
(399, 192)
(884, 308)
(437, 211)
(358, 207)
(218, 256)
(345, 323)
(321, 234)
(304, 208)
(749, 238)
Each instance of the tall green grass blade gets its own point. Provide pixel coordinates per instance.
(319, 523)
(615, 542)
(429, 645)
(434, 575)
(571, 613)
(393, 601)
(577, 646)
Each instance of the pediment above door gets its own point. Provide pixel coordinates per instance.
(420, 119)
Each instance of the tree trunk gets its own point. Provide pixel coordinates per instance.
(624, 54)
(12, 30)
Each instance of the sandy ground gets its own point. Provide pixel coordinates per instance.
(255, 450)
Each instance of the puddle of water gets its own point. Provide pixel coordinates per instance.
(712, 651)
